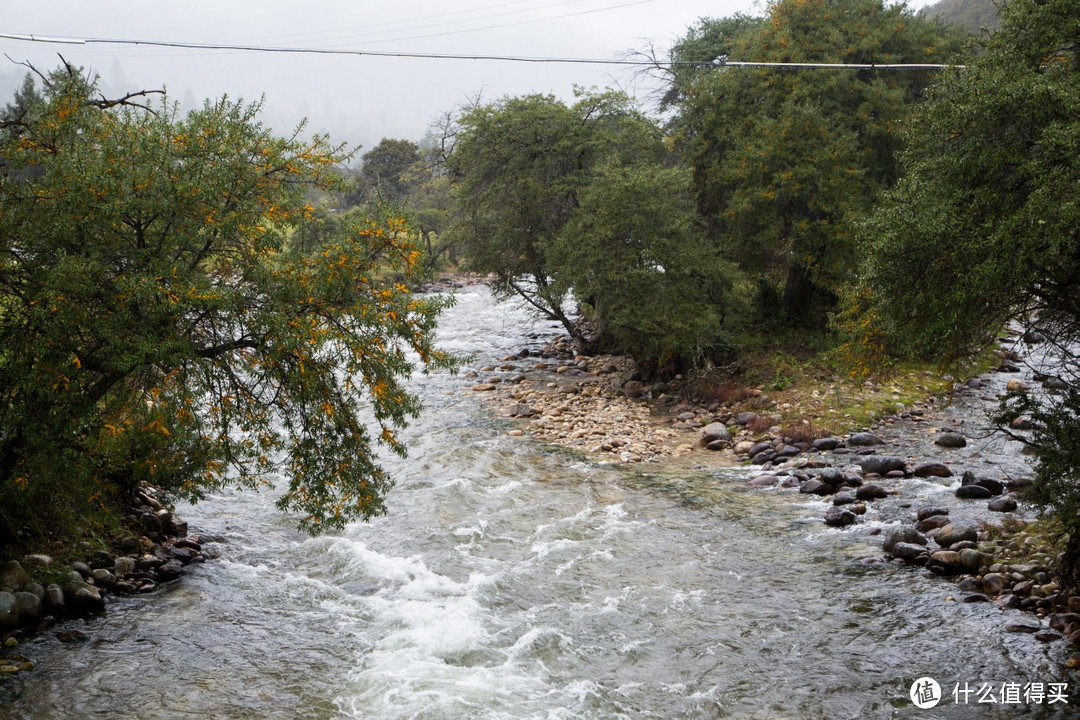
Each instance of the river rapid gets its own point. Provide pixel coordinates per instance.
(514, 580)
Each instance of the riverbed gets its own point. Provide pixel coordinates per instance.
(513, 579)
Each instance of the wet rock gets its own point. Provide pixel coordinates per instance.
(72, 636)
(931, 511)
(976, 598)
(839, 517)
(745, 418)
(996, 487)
(933, 469)
(764, 481)
(858, 508)
(902, 534)
(103, 578)
(944, 562)
(1047, 636)
(743, 447)
(1002, 504)
(1020, 628)
(54, 601)
(824, 444)
(881, 464)
(973, 492)
(714, 431)
(865, 439)
(759, 448)
(28, 608)
(972, 560)
(13, 576)
(950, 440)
(950, 534)
(871, 492)
(844, 498)
(994, 583)
(170, 570)
(1016, 385)
(102, 559)
(932, 523)
(124, 566)
(815, 487)
(1009, 601)
(82, 597)
(483, 387)
(9, 612)
(907, 551)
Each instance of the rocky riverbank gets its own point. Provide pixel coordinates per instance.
(39, 592)
(933, 480)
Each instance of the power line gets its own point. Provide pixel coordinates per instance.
(719, 63)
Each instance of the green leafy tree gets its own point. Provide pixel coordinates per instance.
(985, 227)
(518, 167)
(152, 327)
(388, 171)
(782, 157)
(649, 280)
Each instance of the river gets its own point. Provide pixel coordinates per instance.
(514, 580)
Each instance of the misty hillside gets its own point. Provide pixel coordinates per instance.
(971, 14)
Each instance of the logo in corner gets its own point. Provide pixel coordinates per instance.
(925, 693)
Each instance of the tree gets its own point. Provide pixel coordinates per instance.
(985, 228)
(153, 328)
(388, 170)
(782, 157)
(636, 256)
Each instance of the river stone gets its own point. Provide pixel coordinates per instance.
(1016, 385)
(871, 492)
(944, 561)
(764, 481)
(973, 492)
(933, 469)
(907, 551)
(932, 523)
(902, 534)
(865, 439)
(36, 589)
(483, 387)
(714, 431)
(743, 447)
(950, 440)
(823, 444)
(839, 517)
(81, 568)
(13, 576)
(745, 418)
(72, 636)
(102, 559)
(170, 570)
(994, 583)
(763, 457)
(759, 448)
(54, 599)
(950, 534)
(972, 560)
(831, 476)
(996, 487)
(844, 498)
(124, 565)
(103, 578)
(28, 607)
(9, 611)
(815, 487)
(1002, 504)
(881, 464)
(81, 596)
(931, 511)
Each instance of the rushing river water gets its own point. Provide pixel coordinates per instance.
(511, 580)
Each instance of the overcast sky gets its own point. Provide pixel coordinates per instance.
(357, 99)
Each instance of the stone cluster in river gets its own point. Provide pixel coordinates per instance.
(133, 565)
